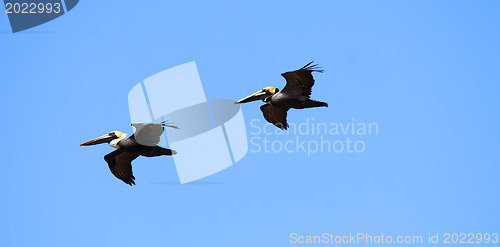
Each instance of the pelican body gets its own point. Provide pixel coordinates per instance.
(143, 142)
(295, 94)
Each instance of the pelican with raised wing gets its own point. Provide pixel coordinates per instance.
(295, 94)
(143, 142)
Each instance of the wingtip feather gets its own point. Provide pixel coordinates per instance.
(313, 67)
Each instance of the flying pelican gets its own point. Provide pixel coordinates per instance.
(143, 142)
(295, 94)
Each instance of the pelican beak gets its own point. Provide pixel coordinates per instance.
(102, 139)
(260, 95)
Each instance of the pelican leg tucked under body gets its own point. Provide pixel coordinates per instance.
(143, 142)
(295, 94)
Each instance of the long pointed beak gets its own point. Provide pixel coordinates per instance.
(102, 139)
(261, 94)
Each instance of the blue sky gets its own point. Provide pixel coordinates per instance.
(425, 71)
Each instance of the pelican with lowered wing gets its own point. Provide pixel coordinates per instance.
(295, 94)
(143, 142)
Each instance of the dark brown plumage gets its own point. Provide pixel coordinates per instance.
(143, 142)
(295, 94)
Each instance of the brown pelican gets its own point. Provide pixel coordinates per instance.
(295, 94)
(143, 142)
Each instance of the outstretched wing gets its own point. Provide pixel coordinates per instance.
(120, 164)
(301, 81)
(275, 115)
(148, 134)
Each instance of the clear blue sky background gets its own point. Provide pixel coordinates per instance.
(426, 71)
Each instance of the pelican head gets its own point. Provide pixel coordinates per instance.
(260, 95)
(112, 138)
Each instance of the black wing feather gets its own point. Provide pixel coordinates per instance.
(120, 164)
(301, 81)
(275, 115)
